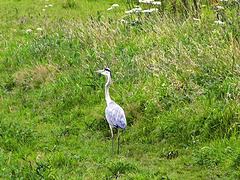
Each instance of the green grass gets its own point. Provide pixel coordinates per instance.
(177, 80)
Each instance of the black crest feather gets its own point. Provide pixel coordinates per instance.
(107, 69)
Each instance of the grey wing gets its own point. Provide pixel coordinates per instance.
(115, 115)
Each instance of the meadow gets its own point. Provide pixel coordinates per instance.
(175, 73)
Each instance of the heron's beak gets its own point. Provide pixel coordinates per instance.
(100, 71)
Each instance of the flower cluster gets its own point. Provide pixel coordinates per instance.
(112, 7)
(139, 9)
(150, 2)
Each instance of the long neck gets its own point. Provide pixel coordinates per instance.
(107, 97)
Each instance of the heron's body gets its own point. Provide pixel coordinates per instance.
(115, 116)
(114, 113)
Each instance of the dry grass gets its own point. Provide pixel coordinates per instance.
(32, 77)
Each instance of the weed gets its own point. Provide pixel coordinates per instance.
(119, 169)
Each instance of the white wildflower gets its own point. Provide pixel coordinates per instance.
(134, 10)
(113, 6)
(124, 21)
(50, 5)
(195, 19)
(138, 9)
(150, 10)
(46, 5)
(219, 22)
(155, 9)
(28, 31)
(39, 29)
(129, 12)
(219, 7)
(44, 10)
(156, 3)
(146, 11)
(146, 1)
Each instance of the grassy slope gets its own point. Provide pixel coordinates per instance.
(176, 80)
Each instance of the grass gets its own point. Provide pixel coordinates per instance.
(177, 80)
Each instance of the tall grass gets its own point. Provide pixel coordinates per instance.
(177, 80)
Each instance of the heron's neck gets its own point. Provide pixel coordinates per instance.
(107, 97)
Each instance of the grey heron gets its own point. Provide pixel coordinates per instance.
(114, 113)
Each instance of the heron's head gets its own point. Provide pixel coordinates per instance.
(106, 72)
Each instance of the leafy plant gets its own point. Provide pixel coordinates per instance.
(69, 4)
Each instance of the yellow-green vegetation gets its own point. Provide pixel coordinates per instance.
(175, 72)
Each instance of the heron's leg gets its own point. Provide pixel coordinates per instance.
(112, 136)
(118, 142)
